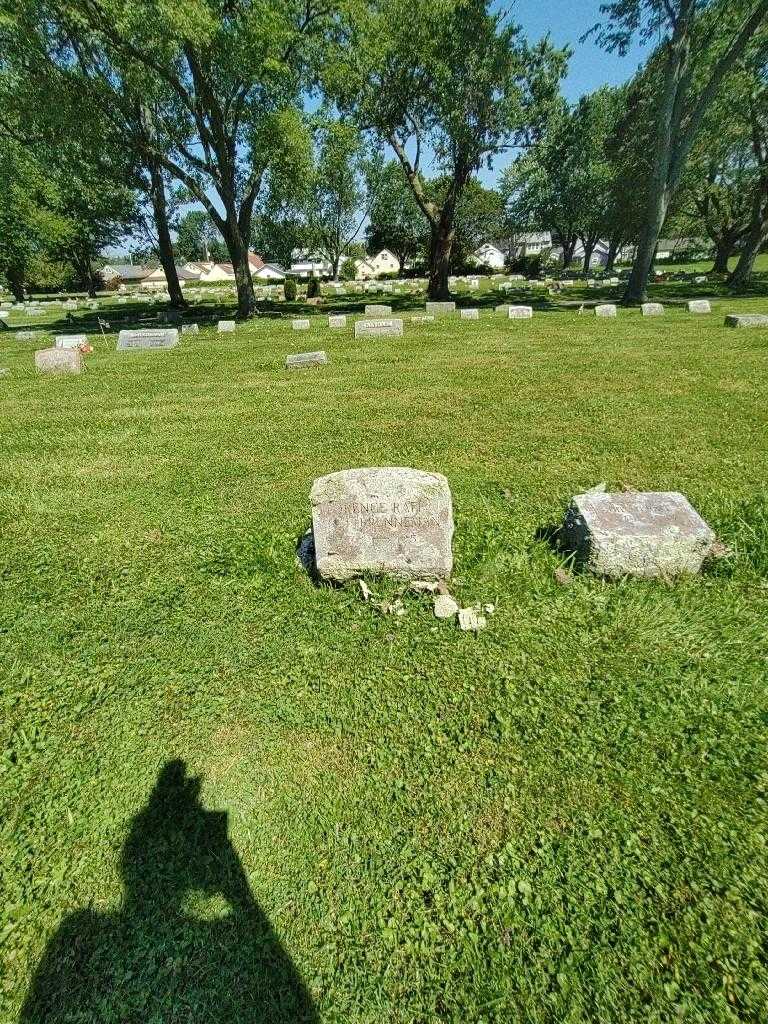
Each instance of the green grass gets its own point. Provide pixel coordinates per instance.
(562, 819)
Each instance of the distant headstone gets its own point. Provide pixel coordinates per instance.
(337, 323)
(519, 312)
(473, 283)
(26, 335)
(59, 360)
(422, 319)
(699, 306)
(190, 329)
(301, 359)
(436, 308)
(226, 326)
(700, 280)
(741, 320)
(300, 325)
(470, 314)
(394, 521)
(374, 328)
(377, 310)
(606, 309)
(652, 309)
(70, 340)
(637, 533)
(165, 337)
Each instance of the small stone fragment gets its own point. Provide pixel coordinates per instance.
(562, 576)
(445, 607)
(425, 586)
(365, 590)
(471, 621)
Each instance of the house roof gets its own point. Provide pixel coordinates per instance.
(255, 261)
(127, 271)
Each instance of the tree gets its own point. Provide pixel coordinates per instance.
(396, 222)
(703, 40)
(757, 233)
(479, 218)
(197, 238)
(449, 75)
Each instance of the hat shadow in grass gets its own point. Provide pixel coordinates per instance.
(157, 960)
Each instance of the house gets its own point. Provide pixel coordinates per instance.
(124, 273)
(671, 248)
(306, 264)
(491, 254)
(156, 279)
(207, 271)
(270, 272)
(530, 243)
(384, 262)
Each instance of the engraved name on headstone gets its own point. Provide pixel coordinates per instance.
(605, 309)
(299, 360)
(165, 337)
(470, 314)
(300, 325)
(437, 308)
(337, 322)
(519, 312)
(746, 320)
(699, 306)
(70, 340)
(377, 309)
(652, 309)
(226, 326)
(375, 328)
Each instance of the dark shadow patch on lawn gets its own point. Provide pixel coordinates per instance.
(153, 960)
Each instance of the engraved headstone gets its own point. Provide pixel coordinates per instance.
(165, 337)
(301, 325)
(301, 359)
(374, 328)
(422, 319)
(336, 323)
(652, 309)
(190, 329)
(519, 312)
(606, 309)
(377, 310)
(746, 320)
(470, 314)
(437, 308)
(226, 326)
(394, 521)
(59, 360)
(699, 306)
(637, 533)
(70, 340)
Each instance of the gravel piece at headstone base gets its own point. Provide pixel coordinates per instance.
(471, 620)
(699, 306)
(520, 312)
(636, 533)
(435, 308)
(375, 328)
(445, 607)
(336, 323)
(165, 337)
(393, 521)
(70, 340)
(226, 326)
(652, 309)
(301, 359)
(376, 309)
(606, 309)
(301, 325)
(744, 320)
(470, 314)
(190, 329)
(59, 360)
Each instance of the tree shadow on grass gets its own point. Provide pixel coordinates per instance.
(154, 960)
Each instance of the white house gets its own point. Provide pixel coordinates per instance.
(530, 243)
(305, 263)
(490, 254)
(157, 281)
(384, 262)
(124, 273)
(270, 272)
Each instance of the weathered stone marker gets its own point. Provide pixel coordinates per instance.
(637, 533)
(59, 360)
(301, 359)
(744, 320)
(606, 309)
(422, 319)
(377, 310)
(226, 326)
(652, 309)
(301, 325)
(26, 335)
(190, 329)
(337, 323)
(394, 521)
(470, 314)
(699, 306)
(436, 308)
(148, 338)
(376, 328)
(70, 340)
(519, 312)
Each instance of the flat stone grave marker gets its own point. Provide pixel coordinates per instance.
(337, 323)
(26, 335)
(190, 328)
(473, 283)
(377, 310)
(652, 309)
(5, 314)
(519, 312)
(470, 314)
(300, 325)
(165, 337)
(375, 328)
(395, 521)
(226, 326)
(606, 309)
(70, 340)
(59, 360)
(637, 533)
(436, 308)
(699, 306)
(744, 320)
(422, 319)
(299, 360)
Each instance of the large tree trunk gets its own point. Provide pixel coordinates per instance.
(754, 240)
(441, 244)
(589, 247)
(569, 247)
(15, 278)
(613, 251)
(238, 254)
(723, 250)
(164, 243)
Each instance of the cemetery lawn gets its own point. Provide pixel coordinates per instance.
(561, 819)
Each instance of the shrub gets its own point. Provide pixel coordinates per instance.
(289, 289)
(348, 270)
(313, 288)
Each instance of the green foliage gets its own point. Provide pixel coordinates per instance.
(198, 239)
(289, 289)
(396, 222)
(313, 287)
(348, 270)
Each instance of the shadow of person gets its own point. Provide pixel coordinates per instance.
(154, 961)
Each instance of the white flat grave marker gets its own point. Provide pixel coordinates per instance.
(377, 310)
(165, 337)
(652, 309)
(226, 326)
(299, 360)
(746, 320)
(70, 340)
(423, 319)
(376, 328)
(519, 312)
(606, 309)
(190, 328)
(699, 306)
(300, 325)
(337, 323)
(436, 308)
(470, 314)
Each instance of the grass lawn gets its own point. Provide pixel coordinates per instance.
(562, 819)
